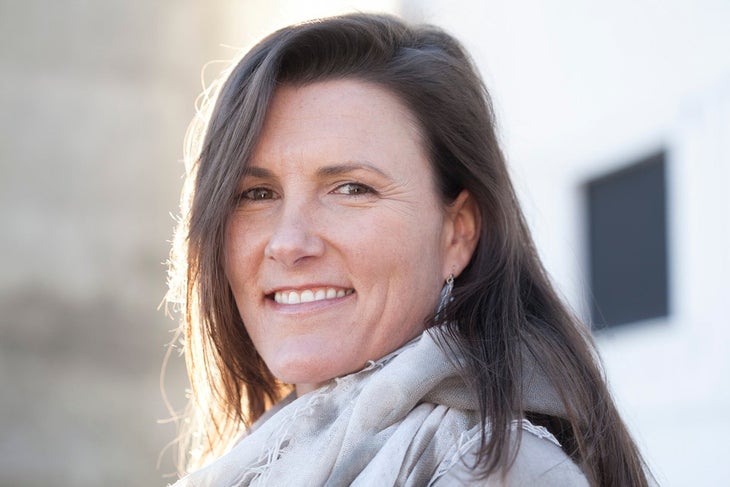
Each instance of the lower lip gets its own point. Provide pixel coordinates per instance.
(309, 307)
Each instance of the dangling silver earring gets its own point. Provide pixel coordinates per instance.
(446, 296)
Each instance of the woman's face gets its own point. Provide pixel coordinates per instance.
(339, 245)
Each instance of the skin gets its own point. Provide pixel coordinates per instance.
(340, 195)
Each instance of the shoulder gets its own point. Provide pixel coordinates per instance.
(538, 461)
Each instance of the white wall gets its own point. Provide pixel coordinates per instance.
(584, 88)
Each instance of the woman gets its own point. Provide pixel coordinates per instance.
(363, 301)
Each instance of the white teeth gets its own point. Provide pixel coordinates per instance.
(309, 295)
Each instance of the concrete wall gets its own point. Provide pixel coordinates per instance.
(96, 97)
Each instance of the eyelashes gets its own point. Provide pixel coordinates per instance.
(256, 194)
(262, 193)
(353, 189)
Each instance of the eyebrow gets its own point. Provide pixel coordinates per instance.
(338, 169)
(331, 170)
(257, 172)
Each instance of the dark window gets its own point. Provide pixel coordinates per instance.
(627, 226)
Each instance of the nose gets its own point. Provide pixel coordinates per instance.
(295, 238)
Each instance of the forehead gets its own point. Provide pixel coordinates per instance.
(361, 98)
(337, 115)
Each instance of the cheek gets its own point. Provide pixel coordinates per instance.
(404, 255)
(239, 257)
(232, 255)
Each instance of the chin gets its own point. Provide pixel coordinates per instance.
(308, 361)
(303, 372)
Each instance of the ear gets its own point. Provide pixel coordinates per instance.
(463, 227)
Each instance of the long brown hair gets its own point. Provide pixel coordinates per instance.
(505, 306)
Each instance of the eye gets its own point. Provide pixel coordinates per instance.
(257, 194)
(353, 189)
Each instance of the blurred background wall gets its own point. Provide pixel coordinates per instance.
(96, 97)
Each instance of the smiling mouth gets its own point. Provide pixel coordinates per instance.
(310, 295)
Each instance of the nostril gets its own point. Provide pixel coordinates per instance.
(293, 241)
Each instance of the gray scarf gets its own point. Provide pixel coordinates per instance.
(402, 420)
